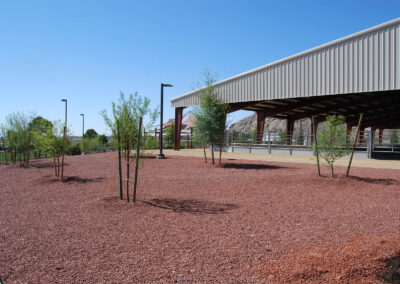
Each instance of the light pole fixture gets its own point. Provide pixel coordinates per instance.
(161, 155)
(65, 101)
(83, 124)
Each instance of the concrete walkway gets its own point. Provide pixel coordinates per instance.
(368, 163)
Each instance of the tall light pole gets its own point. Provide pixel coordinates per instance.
(161, 155)
(65, 101)
(83, 124)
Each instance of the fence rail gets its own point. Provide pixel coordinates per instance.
(368, 142)
(305, 138)
(6, 155)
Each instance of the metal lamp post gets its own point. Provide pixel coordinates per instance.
(65, 101)
(161, 155)
(83, 124)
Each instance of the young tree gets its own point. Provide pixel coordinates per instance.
(169, 134)
(90, 133)
(210, 116)
(240, 138)
(332, 140)
(282, 137)
(19, 136)
(39, 127)
(254, 135)
(3, 139)
(103, 140)
(125, 124)
(86, 145)
(53, 143)
(150, 142)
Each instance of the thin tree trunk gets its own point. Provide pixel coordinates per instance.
(119, 164)
(332, 173)
(55, 165)
(205, 155)
(137, 160)
(22, 161)
(212, 154)
(354, 145)
(127, 173)
(5, 154)
(29, 150)
(63, 150)
(58, 166)
(220, 147)
(316, 145)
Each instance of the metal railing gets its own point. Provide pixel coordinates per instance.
(7, 156)
(367, 141)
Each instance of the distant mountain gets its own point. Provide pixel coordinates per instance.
(247, 124)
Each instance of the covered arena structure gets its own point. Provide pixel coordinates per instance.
(356, 74)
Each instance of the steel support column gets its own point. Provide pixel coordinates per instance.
(370, 144)
(373, 130)
(289, 130)
(260, 126)
(380, 135)
(311, 131)
(316, 121)
(178, 127)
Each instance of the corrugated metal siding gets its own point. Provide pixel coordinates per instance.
(363, 63)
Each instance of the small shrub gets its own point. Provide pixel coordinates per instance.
(332, 140)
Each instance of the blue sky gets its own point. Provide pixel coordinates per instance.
(89, 51)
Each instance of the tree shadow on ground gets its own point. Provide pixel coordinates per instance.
(43, 165)
(147, 157)
(384, 181)
(143, 157)
(251, 166)
(191, 206)
(391, 272)
(74, 179)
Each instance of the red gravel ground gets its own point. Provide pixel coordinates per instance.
(246, 222)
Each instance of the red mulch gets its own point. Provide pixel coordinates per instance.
(364, 259)
(246, 222)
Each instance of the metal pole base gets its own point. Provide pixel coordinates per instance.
(161, 156)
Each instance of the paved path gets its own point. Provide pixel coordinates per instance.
(368, 163)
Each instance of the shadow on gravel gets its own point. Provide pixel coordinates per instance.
(191, 206)
(44, 165)
(251, 166)
(143, 157)
(384, 181)
(391, 272)
(147, 157)
(73, 179)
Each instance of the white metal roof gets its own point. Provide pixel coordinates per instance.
(366, 61)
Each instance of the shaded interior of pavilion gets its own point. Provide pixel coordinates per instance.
(379, 109)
